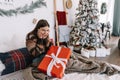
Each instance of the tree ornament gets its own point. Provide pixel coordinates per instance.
(103, 8)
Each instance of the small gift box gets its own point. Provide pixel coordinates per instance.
(92, 52)
(54, 62)
(85, 52)
(108, 51)
(101, 52)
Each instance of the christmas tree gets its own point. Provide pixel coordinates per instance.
(86, 31)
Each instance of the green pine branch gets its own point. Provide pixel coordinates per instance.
(23, 10)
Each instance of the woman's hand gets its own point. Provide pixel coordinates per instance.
(43, 32)
(42, 36)
(30, 43)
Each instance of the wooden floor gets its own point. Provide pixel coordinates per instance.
(114, 56)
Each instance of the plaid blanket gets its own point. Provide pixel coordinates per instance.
(15, 60)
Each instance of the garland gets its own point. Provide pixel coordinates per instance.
(23, 10)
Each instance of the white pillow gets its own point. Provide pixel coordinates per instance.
(2, 67)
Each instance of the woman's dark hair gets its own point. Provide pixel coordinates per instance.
(41, 23)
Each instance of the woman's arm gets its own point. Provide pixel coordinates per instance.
(33, 47)
(37, 46)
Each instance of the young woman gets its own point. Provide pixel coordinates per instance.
(38, 43)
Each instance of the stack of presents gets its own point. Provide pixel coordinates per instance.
(98, 52)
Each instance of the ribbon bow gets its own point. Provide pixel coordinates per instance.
(55, 60)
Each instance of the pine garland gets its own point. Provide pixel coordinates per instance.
(23, 10)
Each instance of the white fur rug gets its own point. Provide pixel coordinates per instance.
(26, 75)
(78, 76)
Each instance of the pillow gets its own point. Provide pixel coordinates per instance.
(15, 60)
(2, 67)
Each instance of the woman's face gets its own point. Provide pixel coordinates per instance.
(43, 32)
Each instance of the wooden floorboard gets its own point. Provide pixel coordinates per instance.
(114, 56)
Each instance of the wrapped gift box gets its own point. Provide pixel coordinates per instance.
(108, 51)
(54, 63)
(102, 52)
(85, 52)
(92, 53)
(88, 52)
